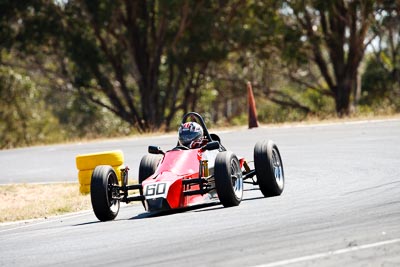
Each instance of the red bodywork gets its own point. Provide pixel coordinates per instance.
(165, 190)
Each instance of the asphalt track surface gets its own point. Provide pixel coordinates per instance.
(340, 207)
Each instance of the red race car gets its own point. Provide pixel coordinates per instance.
(199, 170)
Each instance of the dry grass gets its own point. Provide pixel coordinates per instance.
(30, 201)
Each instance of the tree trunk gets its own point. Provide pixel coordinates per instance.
(357, 93)
(342, 98)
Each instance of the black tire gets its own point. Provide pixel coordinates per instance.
(269, 168)
(148, 166)
(105, 208)
(228, 179)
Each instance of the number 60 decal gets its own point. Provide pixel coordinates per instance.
(156, 190)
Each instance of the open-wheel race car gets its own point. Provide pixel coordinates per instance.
(192, 173)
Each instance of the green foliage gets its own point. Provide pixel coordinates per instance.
(375, 82)
(83, 119)
(379, 90)
(320, 104)
(24, 117)
(269, 112)
(31, 114)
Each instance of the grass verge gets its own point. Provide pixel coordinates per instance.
(31, 201)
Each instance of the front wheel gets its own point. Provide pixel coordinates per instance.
(148, 165)
(228, 179)
(269, 168)
(102, 193)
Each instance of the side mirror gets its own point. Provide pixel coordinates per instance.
(211, 146)
(155, 150)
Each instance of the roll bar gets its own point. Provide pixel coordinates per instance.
(200, 120)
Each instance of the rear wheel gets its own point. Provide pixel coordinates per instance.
(228, 179)
(269, 168)
(102, 193)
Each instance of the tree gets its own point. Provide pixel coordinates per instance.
(381, 79)
(23, 119)
(256, 37)
(143, 60)
(333, 35)
(386, 46)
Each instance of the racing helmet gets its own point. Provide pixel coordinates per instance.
(190, 132)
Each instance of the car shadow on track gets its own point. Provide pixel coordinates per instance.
(253, 198)
(222, 207)
(196, 208)
(251, 189)
(87, 223)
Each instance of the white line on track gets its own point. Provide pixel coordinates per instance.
(329, 253)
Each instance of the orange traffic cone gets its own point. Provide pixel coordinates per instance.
(252, 107)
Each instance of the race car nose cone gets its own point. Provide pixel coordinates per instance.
(157, 204)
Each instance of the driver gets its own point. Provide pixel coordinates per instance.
(191, 135)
